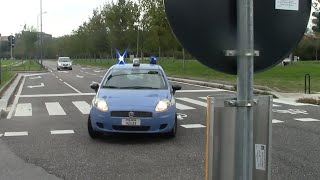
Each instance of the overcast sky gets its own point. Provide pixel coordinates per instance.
(61, 18)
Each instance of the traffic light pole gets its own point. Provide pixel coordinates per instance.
(244, 122)
(11, 47)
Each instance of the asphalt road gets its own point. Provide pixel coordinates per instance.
(46, 126)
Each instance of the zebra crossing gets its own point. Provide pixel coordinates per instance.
(182, 104)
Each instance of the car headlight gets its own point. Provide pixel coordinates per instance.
(59, 64)
(101, 104)
(163, 105)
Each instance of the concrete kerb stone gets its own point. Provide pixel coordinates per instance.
(8, 95)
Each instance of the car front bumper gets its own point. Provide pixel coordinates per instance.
(160, 122)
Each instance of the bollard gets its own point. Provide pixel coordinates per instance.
(307, 76)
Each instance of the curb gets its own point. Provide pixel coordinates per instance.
(9, 93)
(44, 71)
(5, 87)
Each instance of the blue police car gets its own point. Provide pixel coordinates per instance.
(134, 98)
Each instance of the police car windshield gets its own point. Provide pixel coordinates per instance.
(135, 79)
(64, 59)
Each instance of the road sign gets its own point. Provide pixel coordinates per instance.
(207, 28)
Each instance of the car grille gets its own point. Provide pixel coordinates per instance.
(131, 128)
(126, 114)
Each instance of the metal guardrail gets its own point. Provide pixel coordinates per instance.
(307, 77)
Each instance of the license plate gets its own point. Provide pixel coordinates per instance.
(131, 122)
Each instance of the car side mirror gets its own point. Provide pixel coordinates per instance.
(95, 87)
(176, 88)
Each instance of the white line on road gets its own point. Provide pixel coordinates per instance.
(29, 75)
(72, 87)
(24, 133)
(50, 70)
(16, 99)
(62, 132)
(38, 77)
(200, 103)
(91, 73)
(56, 95)
(41, 85)
(83, 106)
(183, 107)
(276, 105)
(188, 126)
(80, 76)
(1, 135)
(54, 108)
(24, 109)
(97, 71)
(291, 103)
(192, 91)
(94, 82)
(306, 119)
(274, 121)
(60, 80)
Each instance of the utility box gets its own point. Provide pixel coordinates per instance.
(221, 123)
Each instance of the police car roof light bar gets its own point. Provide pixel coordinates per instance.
(121, 58)
(153, 60)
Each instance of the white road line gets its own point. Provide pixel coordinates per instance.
(50, 70)
(276, 105)
(306, 119)
(183, 107)
(54, 132)
(41, 85)
(23, 133)
(291, 103)
(80, 76)
(57, 95)
(54, 108)
(57, 77)
(91, 73)
(83, 106)
(23, 109)
(38, 77)
(94, 82)
(200, 103)
(60, 80)
(274, 121)
(16, 99)
(29, 75)
(72, 87)
(189, 126)
(192, 91)
(1, 135)
(191, 84)
(97, 71)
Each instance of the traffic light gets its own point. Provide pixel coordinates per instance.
(316, 22)
(11, 40)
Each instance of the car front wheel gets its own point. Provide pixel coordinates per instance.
(173, 131)
(93, 134)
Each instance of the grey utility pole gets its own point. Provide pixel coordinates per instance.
(244, 122)
(11, 47)
(41, 43)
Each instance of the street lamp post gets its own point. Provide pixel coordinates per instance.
(41, 32)
(40, 44)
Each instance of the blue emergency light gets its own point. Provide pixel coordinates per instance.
(153, 60)
(121, 58)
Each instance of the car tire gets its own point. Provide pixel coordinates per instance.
(58, 69)
(174, 129)
(70, 68)
(92, 133)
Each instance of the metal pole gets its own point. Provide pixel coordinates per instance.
(41, 32)
(244, 123)
(137, 42)
(11, 47)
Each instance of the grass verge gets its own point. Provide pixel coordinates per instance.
(309, 101)
(5, 77)
(290, 78)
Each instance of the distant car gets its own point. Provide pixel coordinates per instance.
(64, 63)
(133, 98)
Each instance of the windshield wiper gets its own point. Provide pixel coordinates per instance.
(111, 87)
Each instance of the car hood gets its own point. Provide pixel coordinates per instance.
(133, 98)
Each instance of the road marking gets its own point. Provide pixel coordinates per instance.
(24, 109)
(63, 71)
(276, 105)
(24, 133)
(41, 85)
(54, 108)
(200, 86)
(94, 82)
(91, 73)
(80, 76)
(200, 103)
(16, 99)
(274, 121)
(54, 132)
(290, 111)
(38, 77)
(56, 95)
(291, 103)
(181, 116)
(189, 126)
(83, 106)
(183, 107)
(72, 87)
(1, 135)
(50, 70)
(81, 71)
(57, 77)
(97, 71)
(192, 91)
(306, 119)
(38, 74)
(60, 80)
(85, 68)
